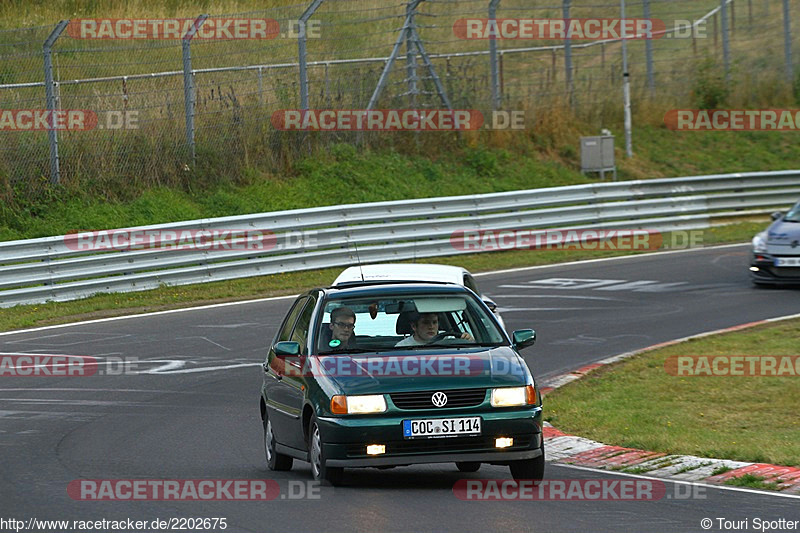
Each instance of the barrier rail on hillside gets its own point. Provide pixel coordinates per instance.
(80, 265)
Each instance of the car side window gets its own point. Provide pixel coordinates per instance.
(300, 333)
(286, 329)
(469, 282)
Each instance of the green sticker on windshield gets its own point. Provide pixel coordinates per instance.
(334, 343)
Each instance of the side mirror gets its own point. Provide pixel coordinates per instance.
(523, 338)
(490, 304)
(286, 349)
(776, 215)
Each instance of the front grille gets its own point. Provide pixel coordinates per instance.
(440, 445)
(786, 272)
(422, 400)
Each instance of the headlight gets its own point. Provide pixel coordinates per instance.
(513, 396)
(358, 405)
(760, 243)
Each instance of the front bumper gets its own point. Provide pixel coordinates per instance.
(763, 270)
(346, 438)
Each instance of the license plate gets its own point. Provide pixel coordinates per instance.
(442, 427)
(787, 262)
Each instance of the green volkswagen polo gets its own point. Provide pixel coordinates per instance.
(397, 374)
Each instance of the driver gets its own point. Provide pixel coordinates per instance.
(425, 327)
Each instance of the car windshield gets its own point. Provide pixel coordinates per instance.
(382, 324)
(793, 215)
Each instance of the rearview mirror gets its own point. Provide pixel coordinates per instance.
(523, 338)
(287, 349)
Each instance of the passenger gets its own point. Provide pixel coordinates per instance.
(425, 327)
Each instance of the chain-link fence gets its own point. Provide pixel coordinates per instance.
(181, 107)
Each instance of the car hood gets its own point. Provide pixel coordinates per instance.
(783, 238)
(418, 371)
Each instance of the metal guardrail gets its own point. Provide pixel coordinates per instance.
(40, 270)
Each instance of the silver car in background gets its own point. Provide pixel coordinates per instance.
(775, 257)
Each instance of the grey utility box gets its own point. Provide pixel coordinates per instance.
(597, 155)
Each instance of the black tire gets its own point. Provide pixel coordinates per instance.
(316, 456)
(468, 466)
(528, 468)
(275, 461)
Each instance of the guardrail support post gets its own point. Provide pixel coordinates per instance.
(188, 84)
(49, 87)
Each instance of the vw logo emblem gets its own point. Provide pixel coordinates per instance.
(439, 399)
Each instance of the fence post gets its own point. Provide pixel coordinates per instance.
(626, 87)
(392, 58)
(49, 88)
(787, 42)
(726, 50)
(301, 45)
(188, 83)
(493, 61)
(411, 55)
(648, 46)
(565, 8)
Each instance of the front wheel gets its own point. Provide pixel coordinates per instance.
(316, 456)
(528, 468)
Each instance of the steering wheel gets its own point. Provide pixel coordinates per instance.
(444, 335)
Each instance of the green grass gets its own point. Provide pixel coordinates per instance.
(635, 403)
(106, 305)
(753, 482)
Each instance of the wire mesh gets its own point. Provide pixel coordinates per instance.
(138, 87)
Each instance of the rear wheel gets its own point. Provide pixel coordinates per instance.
(528, 468)
(316, 456)
(468, 466)
(275, 461)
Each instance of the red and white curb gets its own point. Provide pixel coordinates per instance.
(574, 450)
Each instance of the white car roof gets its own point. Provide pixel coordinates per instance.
(402, 272)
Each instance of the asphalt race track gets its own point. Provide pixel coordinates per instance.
(191, 410)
